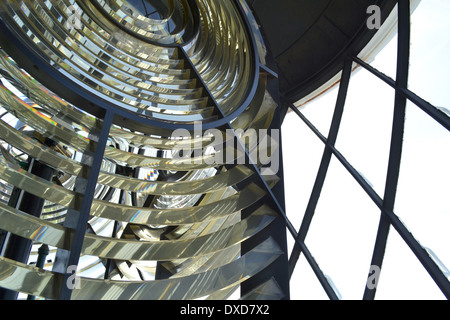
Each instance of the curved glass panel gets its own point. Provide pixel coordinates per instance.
(96, 161)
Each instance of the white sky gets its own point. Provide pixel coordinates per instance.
(342, 234)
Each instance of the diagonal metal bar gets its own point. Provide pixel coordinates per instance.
(427, 107)
(394, 164)
(421, 254)
(279, 229)
(274, 198)
(378, 253)
(317, 271)
(251, 163)
(356, 175)
(396, 139)
(388, 216)
(401, 84)
(323, 168)
(414, 245)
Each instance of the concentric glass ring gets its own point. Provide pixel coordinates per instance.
(163, 22)
(92, 94)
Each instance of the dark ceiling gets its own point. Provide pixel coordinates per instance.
(310, 38)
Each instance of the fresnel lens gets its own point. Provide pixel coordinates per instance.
(139, 151)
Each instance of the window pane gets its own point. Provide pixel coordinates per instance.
(320, 111)
(302, 151)
(402, 275)
(343, 231)
(386, 60)
(424, 184)
(365, 131)
(430, 47)
(304, 283)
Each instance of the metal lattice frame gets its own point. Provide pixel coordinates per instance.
(386, 204)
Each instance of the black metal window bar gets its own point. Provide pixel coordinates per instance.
(386, 204)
